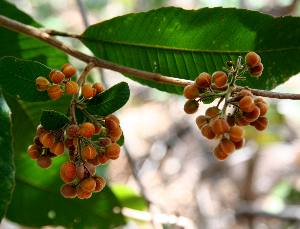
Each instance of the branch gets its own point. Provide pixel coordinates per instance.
(156, 77)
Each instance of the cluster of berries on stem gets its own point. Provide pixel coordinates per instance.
(89, 144)
(217, 123)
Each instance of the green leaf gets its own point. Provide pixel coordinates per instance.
(53, 120)
(110, 100)
(24, 47)
(37, 201)
(17, 78)
(183, 43)
(120, 142)
(7, 168)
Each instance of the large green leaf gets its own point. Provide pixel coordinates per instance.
(37, 200)
(7, 169)
(24, 47)
(53, 120)
(183, 43)
(17, 78)
(110, 100)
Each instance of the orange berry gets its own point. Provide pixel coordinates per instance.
(69, 70)
(104, 141)
(220, 126)
(256, 71)
(261, 123)
(98, 129)
(252, 59)
(220, 78)
(41, 130)
(71, 142)
(91, 169)
(245, 93)
(99, 88)
(42, 83)
(88, 152)
(100, 183)
(231, 120)
(241, 121)
(80, 172)
(72, 131)
(81, 194)
(68, 169)
(227, 146)
(48, 140)
(247, 104)
(56, 76)
(262, 105)
(71, 87)
(87, 129)
(113, 151)
(203, 80)
(239, 144)
(34, 151)
(219, 154)
(190, 91)
(55, 92)
(202, 120)
(88, 184)
(208, 132)
(115, 135)
(44, 161)
(68, 191)
(253, 115)
(37, 141)
(57, 148)
(87, 91)
(103, 159)
(112, 122)
(213, 112)
(191, 106)
(236, 132)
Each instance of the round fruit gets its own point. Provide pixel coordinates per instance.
(202, 120)
(71, 87)
(252, 59)
(69, 70)
(41, 130)
(48, 140)
(203, 80)
(261, 123)
(68, 169)
(44, 161)
(115, 135)
(80, 172)
(191, 106)
(91, 169)
(87, 91)
(87, 129)
(68, 191)
(98, 129)
(240, 144)
(99, 88)
(256, 71)
(231, 120)
(112, 123)
(88, 152)
(103, 159)
(247, 104)
(100, 183)
(95, 161)
(219, 154)
(220, 126)
(34, 151)
(56, 76)
(213, 112)
(245, 93)
(71, 142)
(55, 92)
(113, 151)
(253, 115)
(263, 106)
(104, 141)
(227, 146)
(88, 184)
(241, 121)
(57, 148)
(42, 83)
(236, 133)
(72, 131)
(190, 91)
(81, 194)
(220, 78)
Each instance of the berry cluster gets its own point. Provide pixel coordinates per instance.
(89, 144)
(217, 124)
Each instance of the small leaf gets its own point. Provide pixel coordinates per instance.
(208, 100)
(120, 142)
(7, 168)
(17, 78)
(110, 100)
(53, 120)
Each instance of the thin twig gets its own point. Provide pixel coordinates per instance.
(156, 77)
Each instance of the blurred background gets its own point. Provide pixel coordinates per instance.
(167, 161)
